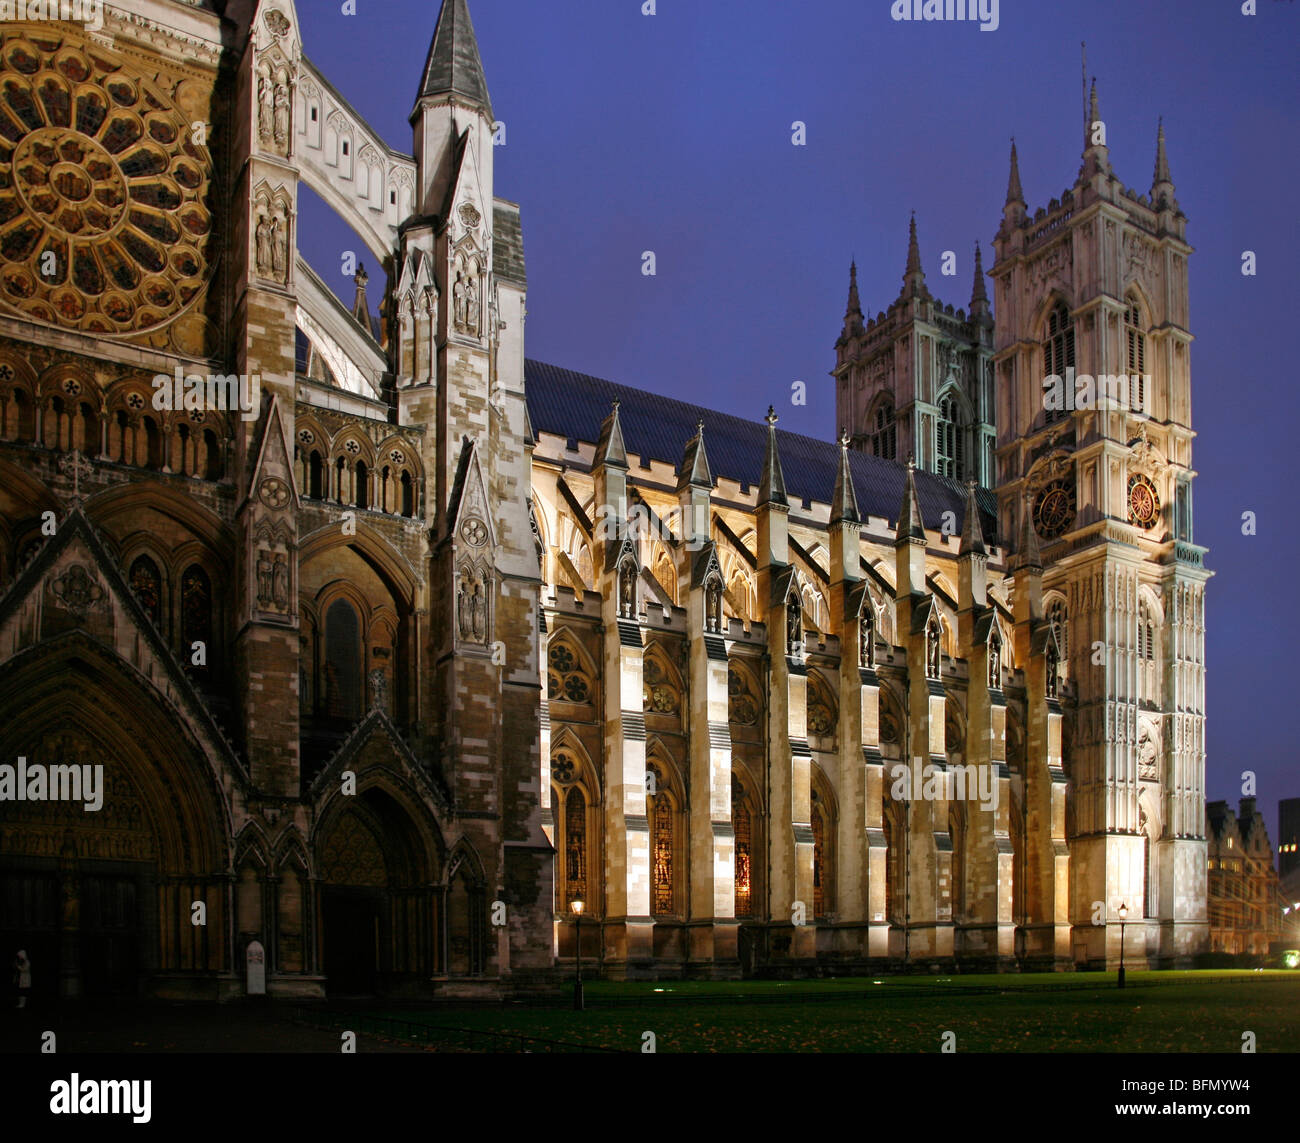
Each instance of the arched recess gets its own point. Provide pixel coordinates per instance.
(823, 711)
(663, 690)
(576, 802)
(293, 921)
(466, 909)
(747, 820)
(380, 586)
(825, 828)
(571, 671)
(665, 810)
(378, 855)
(954, 728)
(158, 843)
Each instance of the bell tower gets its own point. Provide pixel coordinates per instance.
(1094, 456)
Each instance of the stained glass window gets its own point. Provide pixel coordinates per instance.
(575, 843)
(662, 900)
(146, 583)
(740, 821)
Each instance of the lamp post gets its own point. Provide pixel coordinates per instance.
(577, 905)
(1123, 916)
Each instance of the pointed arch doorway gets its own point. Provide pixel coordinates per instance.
(380, 915)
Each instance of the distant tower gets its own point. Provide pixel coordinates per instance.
(1096, 284)
(918, 379)
(1288, 836)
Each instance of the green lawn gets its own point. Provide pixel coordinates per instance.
(1156, 1012)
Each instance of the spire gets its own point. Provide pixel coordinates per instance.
(910, 524)
(771, 488)
(453, 66)
(1030, 556)
(914, 276)
(1096, 156)
(1162, 186)
(694, 471)
(1093, 115)
(853, 311)
(609, 449)
(360, 307)
(1014, 194)
(972, 536)
(844, 501)
(979, 298)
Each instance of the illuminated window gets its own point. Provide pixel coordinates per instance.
(661, 817)
(741, 823)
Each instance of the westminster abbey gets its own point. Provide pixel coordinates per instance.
(394, 645)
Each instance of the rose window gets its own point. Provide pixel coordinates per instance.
(104, 221)
(72, 386)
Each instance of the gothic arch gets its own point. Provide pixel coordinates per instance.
(389, 564)
(822, 706)
(1038, 321)
(825, 818)
(134, 728)
(185, 510)
(251, 847)
(584, 770)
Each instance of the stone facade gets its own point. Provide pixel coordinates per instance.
(392, 645)
(294, 617)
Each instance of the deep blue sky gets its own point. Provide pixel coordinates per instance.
(672, 133)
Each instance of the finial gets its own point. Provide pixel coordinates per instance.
(844, 439)
(615, 405)
(911, 462)
(771, 416)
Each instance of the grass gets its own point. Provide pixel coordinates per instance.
(1156, 1012)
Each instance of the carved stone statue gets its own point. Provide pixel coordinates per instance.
(478, 613)
(264, 257)
(265, 108)
(1053, 671)
(264, 577)
(471, 307)
(794, 627)
(626, 591)
(995, 664)
(713, 606)
(933, 653)
(278, 244)
(280, 583)
(379, 689)
(282, 117)
(866, 638)
(459, 297)
(463, 619)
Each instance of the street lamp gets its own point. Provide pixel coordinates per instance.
(1123, 916)
(577, 905)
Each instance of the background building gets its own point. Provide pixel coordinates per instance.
(1244, 903)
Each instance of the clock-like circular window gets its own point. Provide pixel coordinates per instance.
(1054, 508)
(1143, 502)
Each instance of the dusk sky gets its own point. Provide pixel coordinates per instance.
(672, 133)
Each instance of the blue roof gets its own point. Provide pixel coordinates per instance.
(573, 405)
